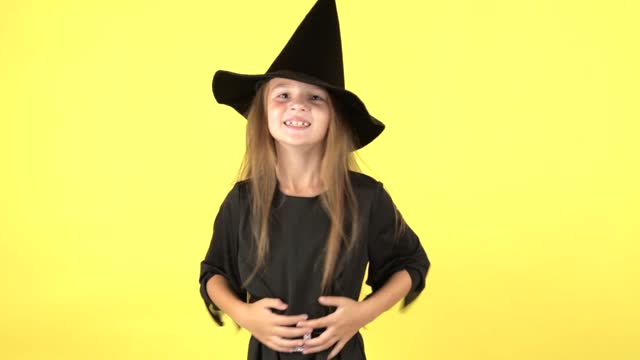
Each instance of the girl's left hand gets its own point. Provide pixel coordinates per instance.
(341, 325)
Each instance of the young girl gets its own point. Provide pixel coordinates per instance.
(293, 238)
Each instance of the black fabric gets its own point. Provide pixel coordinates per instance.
(298, 231)
(315, 48)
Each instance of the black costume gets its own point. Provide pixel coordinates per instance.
(298, 226)
(298, 231)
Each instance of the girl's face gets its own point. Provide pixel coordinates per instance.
(298, 113)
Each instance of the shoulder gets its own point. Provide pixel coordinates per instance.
(365, 186)
(372, 190)
(242, 187)
(363, 181)
(237, 195)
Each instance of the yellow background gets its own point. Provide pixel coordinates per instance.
(511, 148)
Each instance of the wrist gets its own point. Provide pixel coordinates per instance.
(370, 310)
(237, 312)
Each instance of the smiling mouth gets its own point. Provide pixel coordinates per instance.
(297, 123)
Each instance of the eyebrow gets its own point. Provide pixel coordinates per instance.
(286, 86)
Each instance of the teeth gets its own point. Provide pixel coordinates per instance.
(297, 123)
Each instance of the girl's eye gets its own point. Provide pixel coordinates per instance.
(315, 97)
(283, 96)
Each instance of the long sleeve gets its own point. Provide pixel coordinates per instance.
(221, 257)
(391, 251)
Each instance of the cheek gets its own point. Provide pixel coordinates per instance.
(324, 119)
(272, 116)
(274, 109)
(271, 124)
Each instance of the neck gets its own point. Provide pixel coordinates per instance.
(298, 171)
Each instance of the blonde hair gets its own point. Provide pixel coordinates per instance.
(339, 200)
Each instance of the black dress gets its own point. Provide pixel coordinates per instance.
(293, 272)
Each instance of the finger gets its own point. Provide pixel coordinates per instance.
(321, 347)
(268, 342)
(291, 332)
(288, 319)
(321, 322)
(325, 337)
(272, 303)
(287, 344)
(336, 349)
(271, 345)
(281, 348)
(331, 300)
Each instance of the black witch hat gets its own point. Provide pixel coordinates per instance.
(312, 55)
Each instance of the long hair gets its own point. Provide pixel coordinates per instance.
(338, 201)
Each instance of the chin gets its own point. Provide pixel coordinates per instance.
(301, 144)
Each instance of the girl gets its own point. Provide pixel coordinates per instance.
(292, 239)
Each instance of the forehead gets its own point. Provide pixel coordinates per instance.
(288, 83)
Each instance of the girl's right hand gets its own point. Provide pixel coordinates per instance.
(273, 330)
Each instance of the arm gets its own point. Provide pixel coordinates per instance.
(221, 294)
(397, 268)
(271, 329)
(395, 289)
(350, 315)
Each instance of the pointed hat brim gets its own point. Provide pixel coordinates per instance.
(238, 90)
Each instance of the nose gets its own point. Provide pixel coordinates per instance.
(298, 103)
